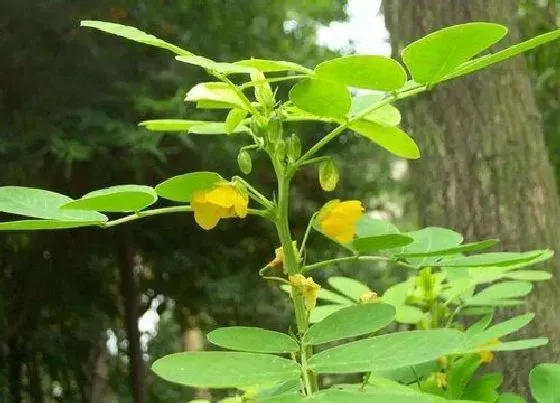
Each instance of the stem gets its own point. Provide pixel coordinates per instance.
(259, 197)
(329, 262)
(306, 235)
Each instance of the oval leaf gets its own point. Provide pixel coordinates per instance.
(270, 66)
(224, 369)
(351, 321)
(500, 291)
(468, 247)
(122, 198)
(372, 72)
(348, 286)
(499, 330)
(217, 128)
(492, 259)
(171, 125)
(367, 396)
(432, 57)
(321, 312)
(368, 227)
(35, 225)
(181, 187)
(544, 380)
(427, 240)
(38, 203)
(390, 351)
(216, 92)
(392, 139)
(253, 339)
(212, 65)
(380, 242)
(322, 98)
(330, 296)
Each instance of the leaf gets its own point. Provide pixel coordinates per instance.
(368, 227)
(432, 57)
(492, 259)
(217, 92)
(321, 312)
(204, 104)
(180, 188)
(253, 339)
(461, 373)
(397, 294)
(528, 275)
(427, 240)
(501, 291)
(409, 314)
(497, 331)
(212, 65)
(122, 198)
(392, 139)
(468, 247)
(487, 60)
(133, 34)
(348, 286)
(330, 296)
(510, 398)
(518, 344)
(234, 119)
(544, 380)
(371, 72)
(395, 350)
(224, 369)
(484, 388)
(367, 396)
(322, 98)
(171, 125)
(351, 321)
(386, 115)
(217, 128)
(380, 242)
(34, 225)
(38, 203)
(271, 66)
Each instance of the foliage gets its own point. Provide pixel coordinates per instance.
(444, 276)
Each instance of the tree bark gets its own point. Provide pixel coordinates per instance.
(485, 170)
(129, 294)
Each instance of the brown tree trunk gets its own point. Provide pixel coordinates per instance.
(130, 298)
(485, 170)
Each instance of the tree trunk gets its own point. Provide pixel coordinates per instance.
(129, 293)
(485, 170)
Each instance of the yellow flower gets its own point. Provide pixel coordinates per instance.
(441, 379)
(338, 219)
(487, 356)
(306, 287)
(278, 259)
(368, 297)
(224, 200)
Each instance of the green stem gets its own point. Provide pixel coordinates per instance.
(329, 262)
(258, 196)
(306, 235)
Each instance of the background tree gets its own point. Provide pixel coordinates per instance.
(485, 168)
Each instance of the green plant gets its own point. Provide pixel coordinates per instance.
(435, 361)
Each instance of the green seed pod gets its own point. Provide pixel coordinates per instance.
(263, 92)
(280, 149)
(328, 175)
(274, 129)
(244, 162)
(293, 148)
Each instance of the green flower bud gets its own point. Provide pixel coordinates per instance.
(328, 175)
(293, 148)
(274, 129)
(263, 92)
(244, 162)
(280, 149)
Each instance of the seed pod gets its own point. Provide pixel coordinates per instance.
(274, 129)
(244, 162)
(293, 148)
(280, 150)
(263, 92)
(328, 175)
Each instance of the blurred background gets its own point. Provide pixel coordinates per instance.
(83, 313)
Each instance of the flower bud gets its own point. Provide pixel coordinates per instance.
(328, 175)
(244, 162)
(274, 129)
(263, 92)
(280, 150)
(293, 148)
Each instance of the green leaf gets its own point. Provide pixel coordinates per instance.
(367, 396)
(528, 275)
(224, 369)
(499, 330)
(171, 125)
(468, 247)
(321, 312)
(330, 296)
(492, 259)
(212, 65)
(544, 380)
(392, 139)
(204, 104)
(386, 115)
(487, 60)
(348, 286)
(217, 128)
(133, 34)
(322, 98)
(432, 57)
(500, 291)
(371, 72)
(395, 350)
(510, 398)
(461, 373)
(38, 203)
(216, 92)
(271, 66)
(484, 388)
(180, 188)
(121, 198)
(34, 225)
(367, 227)
(380, 242)
(397, 294)
(409, 314)
(427, 240)
(234, 119)
(524, 344)
(351, 321)
(253, 339)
